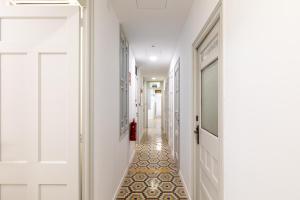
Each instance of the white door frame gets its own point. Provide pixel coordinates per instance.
(87, 101)
(215, 16)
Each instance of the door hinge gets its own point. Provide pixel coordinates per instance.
(81, 138)
(197, 118)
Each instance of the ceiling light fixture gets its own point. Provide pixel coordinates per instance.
(153, 78)
(153, 58)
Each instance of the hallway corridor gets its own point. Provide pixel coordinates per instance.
(149, 100)
(153, 173)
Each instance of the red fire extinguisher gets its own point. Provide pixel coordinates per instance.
(132, 135)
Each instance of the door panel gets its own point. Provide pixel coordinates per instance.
(208, 165)
(39, 84)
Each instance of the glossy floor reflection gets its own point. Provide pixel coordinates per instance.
(153, 173)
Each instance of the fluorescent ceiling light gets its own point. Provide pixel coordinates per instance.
(153, 58)
(153, 78)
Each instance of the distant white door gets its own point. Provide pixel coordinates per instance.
(171, 112)
(39, 81)
(208, 159)
(177, 113)
(167, 108)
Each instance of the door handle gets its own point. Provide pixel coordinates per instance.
(197, 132)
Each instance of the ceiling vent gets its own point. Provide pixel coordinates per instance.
(151, 4)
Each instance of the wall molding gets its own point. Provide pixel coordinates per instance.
(185, 186)
(124, 174)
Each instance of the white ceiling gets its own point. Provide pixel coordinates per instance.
(148, 23)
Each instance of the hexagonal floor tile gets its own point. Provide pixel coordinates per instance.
(153, 174)
(173, 166)
(173, 172)
(180, 192)
(131, 172)
(144, 158)
(168, 196)
(153, 166)
(165, 177)
(136, 196)
(153, 155)
(164, 163)
(142, 163)
(177, 181)
(143, 154)
(140, 177)
(123, 193)
(153, 182)
(153, 160)
(162, 157)
(167, 187)
(127, 181)
(138, 187)
(152, 193)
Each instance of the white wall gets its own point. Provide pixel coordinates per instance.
(3, 2)
(111, 154)
(262, 99)
(198, 15)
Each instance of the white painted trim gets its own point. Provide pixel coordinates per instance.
(185, 186)
(124, 174)
(215, 16)
(87, 97)
(90, 6)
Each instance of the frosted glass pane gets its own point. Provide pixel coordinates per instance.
(209, 98)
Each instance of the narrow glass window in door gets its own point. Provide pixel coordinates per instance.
(209, 98)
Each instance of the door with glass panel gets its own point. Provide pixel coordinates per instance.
(207, 128)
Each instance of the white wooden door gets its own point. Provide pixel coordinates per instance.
(177, 113)
(167, 108)
(171, 112)
(39, 81)
(208, 165)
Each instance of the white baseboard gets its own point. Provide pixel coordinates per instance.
(184, 184)
(124, 174)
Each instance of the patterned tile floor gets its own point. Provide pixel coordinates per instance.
(153, 173)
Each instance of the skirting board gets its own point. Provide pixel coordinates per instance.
(184, 184)
(124, 174)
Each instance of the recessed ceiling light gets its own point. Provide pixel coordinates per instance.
(153, 78)
(153, 58)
